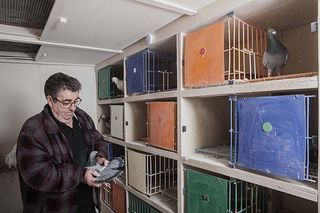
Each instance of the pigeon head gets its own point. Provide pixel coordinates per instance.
(271, 32)
(114, 79)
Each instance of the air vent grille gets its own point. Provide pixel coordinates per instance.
(18, 47)
(25, 13)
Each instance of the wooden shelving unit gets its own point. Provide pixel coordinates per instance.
(198, 122)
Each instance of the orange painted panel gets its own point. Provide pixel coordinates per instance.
(118, 198)
(204, 56)
(162, 124)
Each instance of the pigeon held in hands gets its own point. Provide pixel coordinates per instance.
(109, 172)
(118, 82)
(276, 55)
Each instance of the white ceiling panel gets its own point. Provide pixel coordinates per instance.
(112, 24)
(54, 54)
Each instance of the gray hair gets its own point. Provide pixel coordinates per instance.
(60, 81)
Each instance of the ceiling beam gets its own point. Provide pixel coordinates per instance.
(169, 6)
(14, 37)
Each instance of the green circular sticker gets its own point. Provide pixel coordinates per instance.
(267, 127)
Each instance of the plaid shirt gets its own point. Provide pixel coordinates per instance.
(48, 175)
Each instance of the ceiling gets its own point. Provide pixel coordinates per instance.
(82, 31)
(88, 32)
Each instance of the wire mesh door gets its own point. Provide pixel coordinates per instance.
(243, 50)
(161, 174)
(160, 72)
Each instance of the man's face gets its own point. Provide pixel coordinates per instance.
(63, 106)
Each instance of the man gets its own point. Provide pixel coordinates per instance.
(53, 149)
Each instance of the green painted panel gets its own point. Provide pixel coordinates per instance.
(205, 193)
(136, 205)
(103, 83)
(106, 88)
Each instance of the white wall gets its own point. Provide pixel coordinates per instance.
(22, 96)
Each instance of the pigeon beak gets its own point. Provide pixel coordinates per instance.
(274, 33)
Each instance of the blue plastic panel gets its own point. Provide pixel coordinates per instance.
(135, 73)
(272, 135)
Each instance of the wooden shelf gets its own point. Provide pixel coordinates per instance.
(291, 84)
(114, 140)
(297, 188)
(140, 146)
(111, 101)
(152, 96)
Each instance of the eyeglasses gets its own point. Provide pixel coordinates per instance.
(68, 104)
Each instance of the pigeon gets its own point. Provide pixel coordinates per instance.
(118, 82)
(106, 121)
(107, 173)
(11, 159)
(276, 55)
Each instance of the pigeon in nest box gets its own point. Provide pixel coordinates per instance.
(118, 82)
(276, 55)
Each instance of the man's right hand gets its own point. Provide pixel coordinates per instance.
(90, 178)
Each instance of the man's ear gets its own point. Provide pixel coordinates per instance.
(49, 100)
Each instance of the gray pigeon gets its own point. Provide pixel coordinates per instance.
(276, 55)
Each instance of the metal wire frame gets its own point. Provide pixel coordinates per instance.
(243, 50)
(244, 197)
(159, 71)
(161, 174)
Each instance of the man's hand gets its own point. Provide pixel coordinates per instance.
(90, 178)
(102, 161)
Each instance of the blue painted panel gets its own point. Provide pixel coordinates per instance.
(272, 135)
(135, 73)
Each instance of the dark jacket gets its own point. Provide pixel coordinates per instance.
(48, 175)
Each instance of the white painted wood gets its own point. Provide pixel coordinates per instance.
(152, 96)
(136, 118)
(299, 189)
(137, 168)
(116, 118)
(206, 121)
(293, 84)
(142, 147)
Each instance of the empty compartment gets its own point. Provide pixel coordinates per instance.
(136, 119)
(274, 135)
(137, 205)
(162, 122)
(153, 69)
(152, 174)
(107, 86)
(114, 197)
(205, 126)
(116, 120)
(208, 193)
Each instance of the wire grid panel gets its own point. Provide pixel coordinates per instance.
(161, 174)
(151, 71)
(244, 197)
(106, 195)
(243, 50)
(160, 71)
